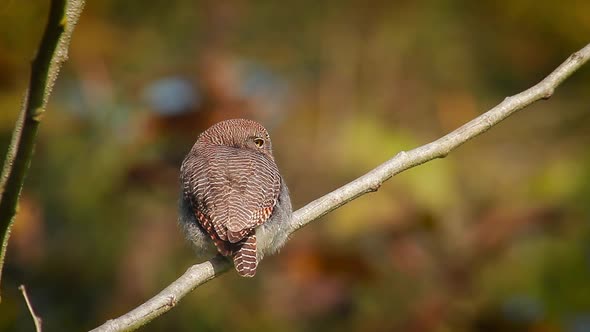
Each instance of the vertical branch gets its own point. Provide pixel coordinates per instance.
(52, 52)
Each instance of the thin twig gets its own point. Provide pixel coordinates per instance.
(36, 319)
(201, 273)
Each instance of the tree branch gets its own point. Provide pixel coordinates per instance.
(201, 273)
(36, 319)
(52, 52)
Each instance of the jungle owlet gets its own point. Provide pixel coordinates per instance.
(232, 194)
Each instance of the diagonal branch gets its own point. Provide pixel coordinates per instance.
(36, 319)
(52, 52)
(199, 274)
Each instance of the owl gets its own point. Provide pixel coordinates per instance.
(233, 198)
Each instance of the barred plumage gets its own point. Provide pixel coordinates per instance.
(231, 187)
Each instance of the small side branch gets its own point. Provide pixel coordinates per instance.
(201, 273)
(36, 319)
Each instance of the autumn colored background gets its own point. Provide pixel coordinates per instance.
(496, 237)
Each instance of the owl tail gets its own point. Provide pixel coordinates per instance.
(245, 257)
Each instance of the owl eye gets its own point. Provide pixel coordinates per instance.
(259, 142)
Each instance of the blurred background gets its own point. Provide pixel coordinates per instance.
(496, 237)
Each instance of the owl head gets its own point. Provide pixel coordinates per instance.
(238, 133)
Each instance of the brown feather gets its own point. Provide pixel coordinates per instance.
(245, 259)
